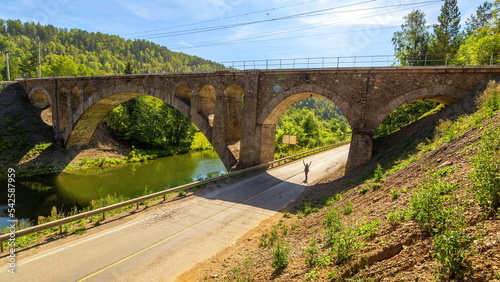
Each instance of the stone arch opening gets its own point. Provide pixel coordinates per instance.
(87, 123)
(183, 92)
(206, 103)
(305, 120)
(405, 115)
(440, 93)
(89, 120)
(40, 99)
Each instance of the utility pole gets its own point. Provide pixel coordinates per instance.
(39, 62)
(7, 63)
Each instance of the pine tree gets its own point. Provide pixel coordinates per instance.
(446, 37)
(413, 39)
(128, 69)
(481, 18)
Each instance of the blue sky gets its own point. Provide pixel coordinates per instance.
(228, 30)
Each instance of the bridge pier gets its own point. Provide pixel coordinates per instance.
(361, 149)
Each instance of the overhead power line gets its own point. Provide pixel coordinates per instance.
(264, 37)
(227, 26)
(221, 19)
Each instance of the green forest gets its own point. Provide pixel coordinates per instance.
(75, 52)
(148, 123)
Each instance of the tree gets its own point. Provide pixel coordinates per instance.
(446, 37)
(412, 40)
(481, 18)
(483, 46)
(28, 66)
(128, 69)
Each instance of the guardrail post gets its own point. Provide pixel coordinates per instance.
(338, 61)
(1, 247)
(60, 229)
(103, 216)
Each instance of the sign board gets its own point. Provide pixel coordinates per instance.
(290, 139)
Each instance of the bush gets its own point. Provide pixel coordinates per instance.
(486, 173)
(280, 257)
(333, 224)
(428, 206)
(449, 249)
(363, 190)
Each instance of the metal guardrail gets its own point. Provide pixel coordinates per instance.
(487, 58)
(103, 210)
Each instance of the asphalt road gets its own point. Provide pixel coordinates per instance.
(162, 244)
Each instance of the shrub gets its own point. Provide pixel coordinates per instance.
(376, 185)
(394, 194)
(347, 209)
(280, 257)
(311, 253)
(449, 250)
(363, 190)
(396, 217)
(486, 173)
(378, 174)
(332, 224)
(428, 207)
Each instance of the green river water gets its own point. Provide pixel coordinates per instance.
(37, 195)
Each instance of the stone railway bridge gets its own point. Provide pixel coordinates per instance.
(238, 110)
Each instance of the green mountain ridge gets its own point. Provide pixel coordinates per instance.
(75, 52)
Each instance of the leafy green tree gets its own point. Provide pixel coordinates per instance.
(148, 122)
(480, 19)
(412, 40)
(446, 37)
(483, 46)
(29, 66)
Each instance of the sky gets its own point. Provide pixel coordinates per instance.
(234, 30)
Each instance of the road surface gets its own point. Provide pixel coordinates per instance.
(162, 244)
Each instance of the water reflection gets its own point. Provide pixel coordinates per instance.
(37, 195)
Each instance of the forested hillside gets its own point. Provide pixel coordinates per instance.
(68, 52)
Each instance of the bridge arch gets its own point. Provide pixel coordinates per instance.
(184, 93)
(40, 98)
(87, 120)
(282, 101)
(285, 99)
(441, 93)
(206, 102)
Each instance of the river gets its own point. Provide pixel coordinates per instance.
(35, 196)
